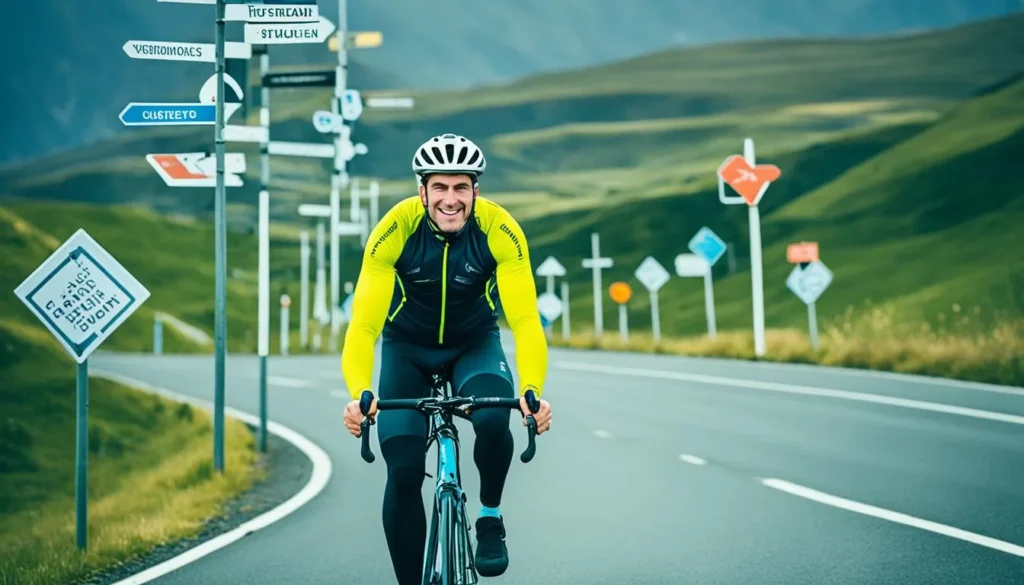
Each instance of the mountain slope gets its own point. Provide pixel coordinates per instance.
(676, 111)
(88, 79)
(924, 223)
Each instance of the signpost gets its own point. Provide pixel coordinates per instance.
(693, 265)
(653, 276)
(325, 78)
(808, 282)
(173, 51)
(287, 33)
(565, 310)
(81, 294)
(708, 246)
(550, 268)
(286, 302)
(802, 253)
(203, 113)
(621, 292)
(550, 308)
(172, 114)
(303, 149)
(258, 11)
(750, 181)
(596, 263)
(196, 169)
(304, 252)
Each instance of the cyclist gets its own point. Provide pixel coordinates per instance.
(435, 271)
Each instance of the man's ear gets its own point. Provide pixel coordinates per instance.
(423, 195)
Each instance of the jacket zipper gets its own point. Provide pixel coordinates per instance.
(444, 292)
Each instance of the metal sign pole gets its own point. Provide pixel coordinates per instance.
(81, 453)
(220, 244)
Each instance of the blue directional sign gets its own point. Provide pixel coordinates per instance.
(707, 245)
(163, 114)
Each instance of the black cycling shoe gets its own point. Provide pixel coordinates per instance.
(491, 554)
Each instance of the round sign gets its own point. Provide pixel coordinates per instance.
(286, 301)
(620, 292)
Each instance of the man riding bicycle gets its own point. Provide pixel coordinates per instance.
(435, 270)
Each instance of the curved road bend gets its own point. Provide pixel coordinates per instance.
(667, 470)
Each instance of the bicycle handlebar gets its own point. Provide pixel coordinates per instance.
(458, 406)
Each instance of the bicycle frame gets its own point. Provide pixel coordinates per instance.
(456, 559)
(448, 558)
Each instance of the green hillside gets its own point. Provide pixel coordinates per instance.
(640, 125)
(173, 258)
(150, 475)
(924, 224)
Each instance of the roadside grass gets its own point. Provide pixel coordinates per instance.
(151, 478)
(874, 339)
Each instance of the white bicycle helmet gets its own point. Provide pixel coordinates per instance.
(449, 154)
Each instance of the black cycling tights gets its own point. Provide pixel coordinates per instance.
(404, 514)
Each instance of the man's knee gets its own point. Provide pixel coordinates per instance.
(405, 456)
(490, 424)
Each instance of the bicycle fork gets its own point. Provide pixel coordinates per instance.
(449, 555)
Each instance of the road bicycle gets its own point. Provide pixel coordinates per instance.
(449, 553)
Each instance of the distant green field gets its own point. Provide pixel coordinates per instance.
(924, 221)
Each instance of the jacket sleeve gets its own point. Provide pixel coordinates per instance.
(518, 293)
(372, 299)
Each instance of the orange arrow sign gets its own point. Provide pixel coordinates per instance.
(749, 182)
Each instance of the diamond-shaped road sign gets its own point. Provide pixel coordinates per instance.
(810, 282)
(651, 274)
(707, 245)
(549, 306)
(551, 267)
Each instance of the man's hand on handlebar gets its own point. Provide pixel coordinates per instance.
(354, 416)
(542, 416)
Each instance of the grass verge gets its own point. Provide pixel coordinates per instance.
(872, 339)
(151, 478)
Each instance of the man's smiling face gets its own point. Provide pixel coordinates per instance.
(449, 200)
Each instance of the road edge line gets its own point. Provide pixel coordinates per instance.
(322, 471)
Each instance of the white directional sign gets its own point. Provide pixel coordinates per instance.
(691, 265)
(808, 283)
(652, 274)
(551, 267)
(314, 210)
(306, 149)
(234, 162)
(288, 33)
(549, 306)
(81, 294)
(351, 105)
(172, 51)
(390, 102)
(237, 133)
(255, 12)
(349, 228)
(196, 169)
(326, 122)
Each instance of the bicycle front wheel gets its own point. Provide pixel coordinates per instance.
(449, 555)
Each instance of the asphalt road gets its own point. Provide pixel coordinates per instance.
(664, 470)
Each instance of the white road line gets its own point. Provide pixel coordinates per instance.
(287, 382)
(795, 389)
(897, 376)
(317, 480)
(692, 459)
(343, 394)
(899, 518)
(602, 434)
